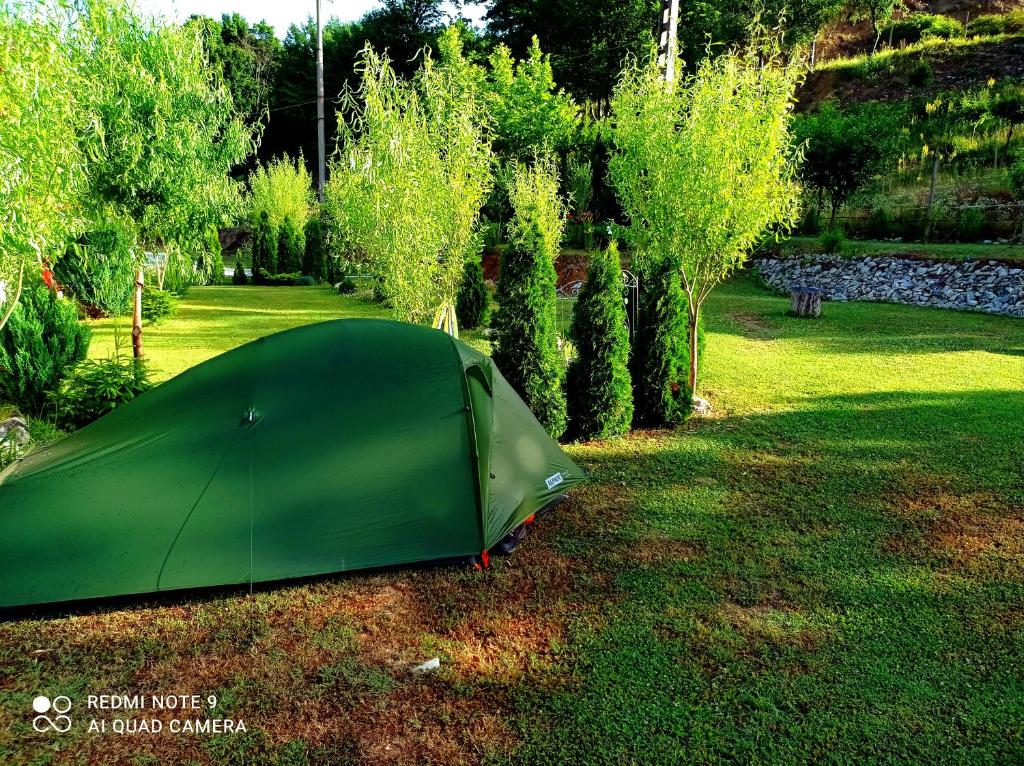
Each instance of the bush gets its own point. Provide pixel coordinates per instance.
(210, 264)
(290, 248)
(997, 24)
(40, 344)
(833, 241)
(969, 225)
(264, 245)
(347, 286)
(314, 262)
(97, 387)
(261, 277)
(920, 72)
(98, 269)
(879, 225)
(919, 26)
(660, 360)
(304, 281)
(526, 343)
(598, 390)
(239, 277)
(473, 300)
(810, 226)
(156, 304)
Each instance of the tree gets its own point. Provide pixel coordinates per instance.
(1017, 190)
(43, 133)
(879, 12)
(598, 390)
(39, 346)
(264, 247)
(525, 326)
(843, 150)
(282, 188)
(413, 171)
(1008, 105)
(530, 113)
(705, 168)
(314, 262)
(247, 57)
(290, 248)
(658, 363)
(171, 134)
(474, 300)
(939, 122)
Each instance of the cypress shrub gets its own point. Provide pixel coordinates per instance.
(290, 248)
(598, 389)
(473, 301)
(660, 362)
(239, 278)
(314, 262)
(526, 349)
(40, 344)
(264, 245)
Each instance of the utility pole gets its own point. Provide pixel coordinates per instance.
(668, 42)
(320, 141)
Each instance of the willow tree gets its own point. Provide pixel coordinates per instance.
(704, 168)
(412, 171)
(170, 131)
(41, 135)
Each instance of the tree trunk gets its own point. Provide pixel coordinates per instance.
(16, 298)
(931, 197)
(806, 302)
(1009, 137)
(137, 316)
(691, 338)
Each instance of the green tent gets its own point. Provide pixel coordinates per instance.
(337, 446)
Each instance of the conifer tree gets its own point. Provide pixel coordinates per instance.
(473, 302)
(599, 393)
(290, 248)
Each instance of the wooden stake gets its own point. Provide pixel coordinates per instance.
(137, 315)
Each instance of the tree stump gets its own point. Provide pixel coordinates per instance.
(806, 302)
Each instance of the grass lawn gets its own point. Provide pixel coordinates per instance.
(829, 569)
(858, 248)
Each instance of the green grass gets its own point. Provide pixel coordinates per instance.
(828, 569)
(889, 60)
(856, 248)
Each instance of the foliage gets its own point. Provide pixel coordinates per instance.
(42, 134)
(705, 168)
(843, 149)
(291, 247)
(282, 189)
(880, 224)
(969, 225)
(526, 331)
(239, 277)
(99, 267)
(414, 169)
(579, 176)
(598, 389)
(538, 208)
(267, 279)
(658, 362)
(918, 26)
(1017, 179)
(1011, 22)
(530, 114)
(314, 259)
(588, 41)
(246, 56)
(878, 11)
(170, 132)
(264, 245)
(39, 345)
(97, 387)
(1008, 104)
(473, 302)
(833, 240)
(157, 304)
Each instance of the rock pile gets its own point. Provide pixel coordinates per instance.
(990, 286)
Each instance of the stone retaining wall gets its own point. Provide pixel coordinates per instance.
(990, 286)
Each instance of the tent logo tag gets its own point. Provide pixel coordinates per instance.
(554, 480)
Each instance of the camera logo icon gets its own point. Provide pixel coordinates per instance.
(59, 705)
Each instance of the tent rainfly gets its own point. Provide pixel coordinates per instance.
(338, 446)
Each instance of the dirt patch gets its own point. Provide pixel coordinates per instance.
(753, 325)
